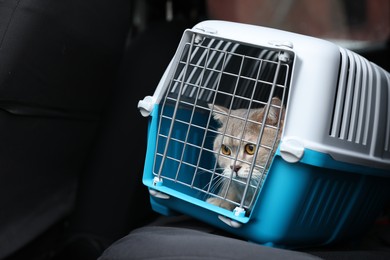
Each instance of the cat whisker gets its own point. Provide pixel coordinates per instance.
(216, 180)
(201, 172)
(213, 186)
(212, 127)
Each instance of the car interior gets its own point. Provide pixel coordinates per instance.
(74, 142)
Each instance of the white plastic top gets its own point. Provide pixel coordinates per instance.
(314, 86)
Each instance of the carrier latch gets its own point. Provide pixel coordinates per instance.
(146, 105)
(292, 150)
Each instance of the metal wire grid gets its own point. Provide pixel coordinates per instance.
(196, 83)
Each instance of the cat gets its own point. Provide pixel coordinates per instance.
(236, 136)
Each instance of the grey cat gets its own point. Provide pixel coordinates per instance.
(235, 148)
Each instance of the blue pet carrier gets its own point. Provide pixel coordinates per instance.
(328, 176)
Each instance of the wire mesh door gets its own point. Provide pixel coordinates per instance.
(217, 86)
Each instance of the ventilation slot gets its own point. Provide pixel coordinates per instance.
(354, 99)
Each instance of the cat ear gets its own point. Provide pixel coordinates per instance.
(273, 113)
(221, 116)
(276, 101)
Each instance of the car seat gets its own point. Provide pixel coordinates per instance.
(57, 63)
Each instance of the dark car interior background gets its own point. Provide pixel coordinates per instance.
(73, 142)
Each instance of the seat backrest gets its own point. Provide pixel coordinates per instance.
(58, 61)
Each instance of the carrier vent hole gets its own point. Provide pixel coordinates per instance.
(353, 100)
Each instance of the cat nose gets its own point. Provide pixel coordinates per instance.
(235, 168)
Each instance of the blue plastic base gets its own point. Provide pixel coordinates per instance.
(299, 205)
(313, 202)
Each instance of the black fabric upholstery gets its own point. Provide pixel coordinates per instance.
(60, 54)
(113, 200)
(58, 60)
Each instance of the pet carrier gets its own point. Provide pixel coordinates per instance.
(279, 138)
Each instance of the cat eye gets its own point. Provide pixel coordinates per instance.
(225, 150)
(250, 149)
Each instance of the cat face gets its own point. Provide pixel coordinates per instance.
(236, 145)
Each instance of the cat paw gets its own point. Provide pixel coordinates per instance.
(221, 203)
(214, 201)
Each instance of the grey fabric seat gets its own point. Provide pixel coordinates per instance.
(159, 242)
